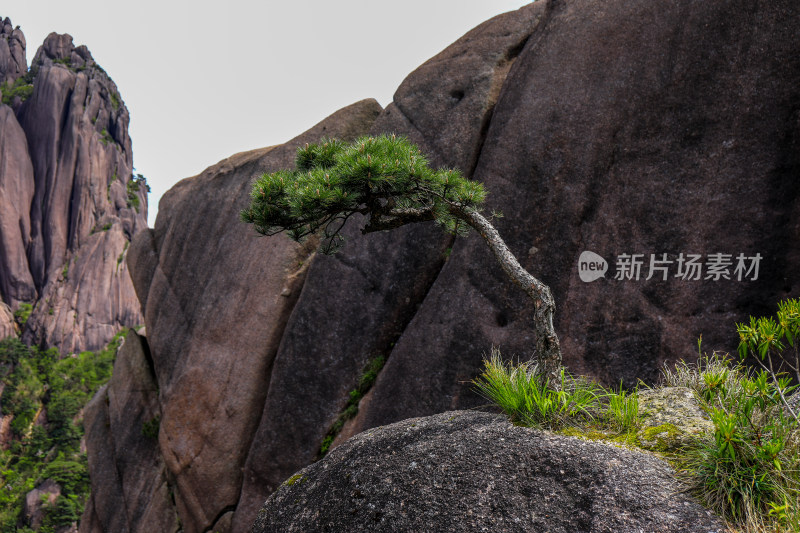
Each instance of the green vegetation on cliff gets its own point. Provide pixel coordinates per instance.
(43, 397)
(745, 466)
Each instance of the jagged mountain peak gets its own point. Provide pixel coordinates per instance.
(13, 62)
(69, 204)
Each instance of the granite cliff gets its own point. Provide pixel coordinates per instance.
(69, 204)
(619, 127)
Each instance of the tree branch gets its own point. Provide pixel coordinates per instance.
(394, 218)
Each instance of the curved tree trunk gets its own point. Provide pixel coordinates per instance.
(548, 349)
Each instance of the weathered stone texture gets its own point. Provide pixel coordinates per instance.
(67, 211)
(468, 472)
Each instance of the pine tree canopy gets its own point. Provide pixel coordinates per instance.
(387, 179)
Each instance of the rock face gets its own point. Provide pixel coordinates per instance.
(13, 64)
(209, 364)
(46, 493)
(466, 471)
(68, 203)
(618, 127)
(122, 443)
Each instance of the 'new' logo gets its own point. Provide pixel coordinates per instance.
(591, 266)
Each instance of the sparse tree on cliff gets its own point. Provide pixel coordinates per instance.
(388, 180)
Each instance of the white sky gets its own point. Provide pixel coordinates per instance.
(203, 80)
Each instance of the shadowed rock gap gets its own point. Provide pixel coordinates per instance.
(345, 418)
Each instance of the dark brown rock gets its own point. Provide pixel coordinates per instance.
(597, 144)
(468, 472)
(212, 365)
(7, 326)
(13, 63)
(33, 509)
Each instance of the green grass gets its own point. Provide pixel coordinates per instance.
(747, 470)
(22, 314)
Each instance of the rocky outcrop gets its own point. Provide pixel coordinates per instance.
(69, 204)
(122, 426)
(33, 510)
(209, 364)
(468, 472)
(620, 127)
(13, 64)
(7, 326)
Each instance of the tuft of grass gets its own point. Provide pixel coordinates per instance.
(748, 471)
(622, 410)
(528, 397)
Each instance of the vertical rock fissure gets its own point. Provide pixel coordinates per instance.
(499, 76)
(347, 413)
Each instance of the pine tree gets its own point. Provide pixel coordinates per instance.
(388, 180)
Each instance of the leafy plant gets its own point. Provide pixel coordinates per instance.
(115, 100)
(106, 137)
(151, 427)
(37, 381)
(21, 88)
(748, 470)
(22, 314)
(134, 185)
(368, 377)
(766, 340)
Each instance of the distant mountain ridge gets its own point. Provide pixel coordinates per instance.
(69, 202)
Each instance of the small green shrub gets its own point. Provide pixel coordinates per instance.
(748, 470)
(151, 427)
(766, 340)
(529, 399)
(134, 185)
(106, 137)
(22, 88)
(365, 382)
(22, 314)
(115, 100)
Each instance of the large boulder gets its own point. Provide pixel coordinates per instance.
(466, 471)
(16, 194)
(68, 205)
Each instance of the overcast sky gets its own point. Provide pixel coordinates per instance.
(203, 80)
